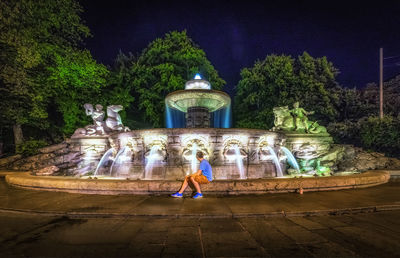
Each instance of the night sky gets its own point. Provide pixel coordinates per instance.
(236, 33)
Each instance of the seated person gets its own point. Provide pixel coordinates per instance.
(202, 176)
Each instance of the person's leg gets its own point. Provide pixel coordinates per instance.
(196, 185)
(184, 184)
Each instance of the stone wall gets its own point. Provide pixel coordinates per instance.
(77, 156)
(357, 159)
(49, 160)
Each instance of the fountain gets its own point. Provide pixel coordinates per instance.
(150, 160)
(105, 159)
(291, 159)
(198, 101)
(276, 161)
(194, 159)
(239, 162)
(198, 119)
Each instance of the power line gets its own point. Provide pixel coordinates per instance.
(390, 57)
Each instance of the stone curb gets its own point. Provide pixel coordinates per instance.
(329, 212)
(225, 187)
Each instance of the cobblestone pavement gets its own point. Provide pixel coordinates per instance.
(357, 235)
(51, 224)
(378, 198)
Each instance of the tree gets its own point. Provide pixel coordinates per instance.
(119, 85)
(41, 63)
(75, 78)
(264, 86)
(316, 86)
(282, 80)
(163, 67)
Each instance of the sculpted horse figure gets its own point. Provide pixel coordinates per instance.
(113, 121)
(283, 119)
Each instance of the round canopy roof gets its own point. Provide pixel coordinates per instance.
(184, 99)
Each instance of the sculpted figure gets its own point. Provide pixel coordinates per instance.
(283, 119)
(98, 117)
(113, 121)
(99, 126)
(295, 120)
(300, 117)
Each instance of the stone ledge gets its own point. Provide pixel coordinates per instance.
(226, 187)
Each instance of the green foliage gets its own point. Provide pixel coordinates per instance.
(75, 79)
(163, 67)
(345, 132)
(30, 147)
(119, 86)
(382, 135)
(41, 67)
(282, 80)
(315, 86)
(370, 133)
(263, 87)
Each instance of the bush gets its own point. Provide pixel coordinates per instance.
(381, 135)
(345, 132)
(370, 133)
(30, 147)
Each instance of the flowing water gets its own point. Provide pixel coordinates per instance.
(239, 162)
(194, 159)
(279, 172)
(121, 158)
(291, 159)
(106, 157)
(150, 160)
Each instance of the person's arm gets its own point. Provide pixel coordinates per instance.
(307, 113)
(198, 173)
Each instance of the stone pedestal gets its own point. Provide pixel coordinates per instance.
(313, 152)
(197, 117)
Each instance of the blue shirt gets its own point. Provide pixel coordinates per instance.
(206, 170)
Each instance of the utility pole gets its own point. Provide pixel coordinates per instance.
(381, 83)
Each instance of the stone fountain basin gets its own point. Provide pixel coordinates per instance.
(175, 143)
(225, 187)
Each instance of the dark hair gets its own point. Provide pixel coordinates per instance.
(199, 155)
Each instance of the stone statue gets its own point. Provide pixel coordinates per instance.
(300, 117)
(113, 121)
(98, 119)
(283, 119)
(99, 126)
(295, 120)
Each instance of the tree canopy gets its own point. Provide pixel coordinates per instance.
(42, 65)
(163, 67)
(281, 80)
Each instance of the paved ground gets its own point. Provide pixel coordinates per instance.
(358, 235)
(49, 224)
(381, 197)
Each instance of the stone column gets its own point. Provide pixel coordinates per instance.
(197, 117)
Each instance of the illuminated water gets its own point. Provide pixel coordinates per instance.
(150, 160)
(176, 119)
(121, 158)
(106, 157)
(279, 172)
(194, 159)
(291, 159)
(222, 118)
(239, 162)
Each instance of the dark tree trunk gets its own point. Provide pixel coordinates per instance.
(18, 136)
